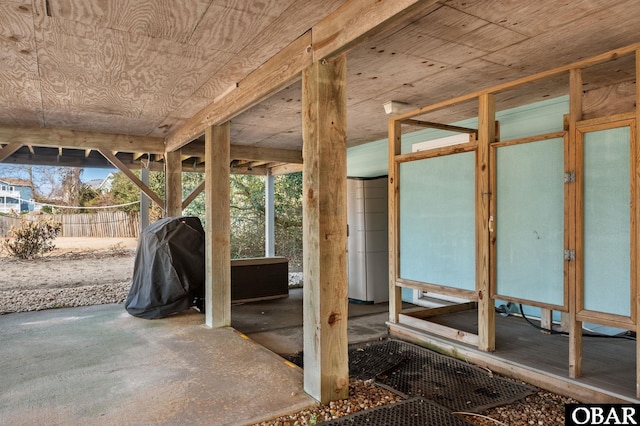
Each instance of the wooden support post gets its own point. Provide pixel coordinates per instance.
(326, 363)
(173, 184)
(217, 227)
(486, 310)
(635, 214)
(546, 319)
(395, 148)
(269, 217)
(144, 201)
(575, 278)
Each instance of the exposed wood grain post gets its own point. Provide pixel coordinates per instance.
(144, 201)
(571, 242)
(326, 369)
(269, 217)
(635, 214)
(486, 135)
(173, 184)
(395, 148)
(217, 226)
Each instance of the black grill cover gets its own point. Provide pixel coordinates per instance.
(169, 269)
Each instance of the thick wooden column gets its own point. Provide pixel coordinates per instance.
(571, 242)
(173, 184)
(635, 212)
(326, 369)
(217, 227)
(395, 148)
(486, 310)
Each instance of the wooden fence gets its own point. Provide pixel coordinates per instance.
(100, 225)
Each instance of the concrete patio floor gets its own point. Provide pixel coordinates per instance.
(98, 365)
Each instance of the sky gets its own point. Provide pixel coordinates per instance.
(90, 174)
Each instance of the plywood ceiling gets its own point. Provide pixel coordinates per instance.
(144, 67)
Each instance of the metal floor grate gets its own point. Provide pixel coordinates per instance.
(412, 412)
(418, 372)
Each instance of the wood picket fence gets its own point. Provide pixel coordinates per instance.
(116, 224)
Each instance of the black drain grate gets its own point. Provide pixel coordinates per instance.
(419, 372)
(368, 361)
(412, 412)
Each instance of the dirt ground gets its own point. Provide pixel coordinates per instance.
(75, 262)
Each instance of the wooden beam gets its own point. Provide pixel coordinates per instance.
(8, 150)
(355, 20)
(254, 153)
(286, 169)
(66, 138)
(574, 196)
(439, 329)
(395, 148)
(324, 104)
(124, 169)
(31, 150)
(173, 184)
(605, 57)
(439, 126)
(279, 71)
(486, 309)
(338, 32)
(197, 190)
(87, 152)
(218, 225)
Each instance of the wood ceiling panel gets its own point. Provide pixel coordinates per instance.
(16, 21)
(164, 19)
(530, 18)
(97, 122)
(455, 26)
(14, 114)
(293, 22)
(253, 136)
(19, 91)
(18, 60)
(599, 32)
(366, 118)
(232, 25)
(456, 81)
(374, 71)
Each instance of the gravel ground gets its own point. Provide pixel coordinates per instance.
(542, 408)
(40, 284)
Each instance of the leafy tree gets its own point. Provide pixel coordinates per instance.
(288, 206)
(247, 210)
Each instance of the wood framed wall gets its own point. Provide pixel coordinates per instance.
(485, 147)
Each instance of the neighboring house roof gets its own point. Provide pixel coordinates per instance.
(17, 182)
(94, 183)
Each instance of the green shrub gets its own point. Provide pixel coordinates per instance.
(32, 238)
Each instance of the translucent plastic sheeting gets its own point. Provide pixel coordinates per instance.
(607, 221)
(437, 220)
(530, 221)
